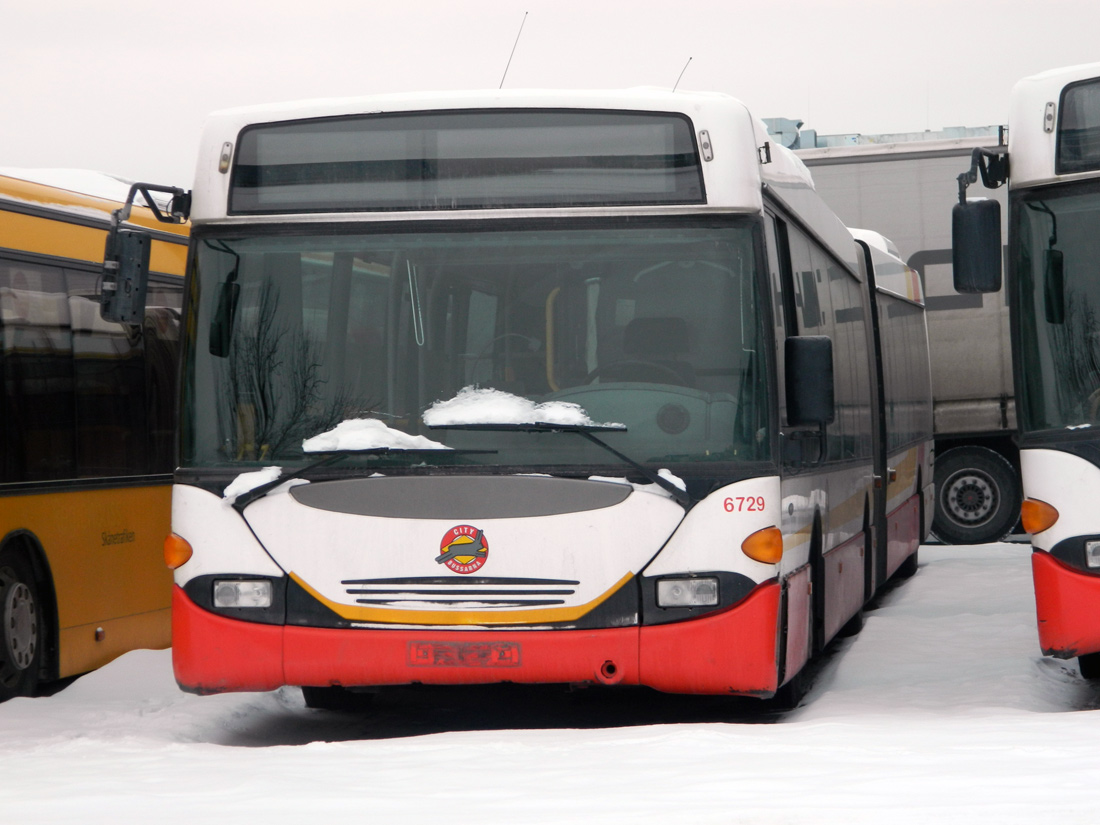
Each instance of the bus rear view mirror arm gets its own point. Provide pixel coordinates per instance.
(976, 225)
(126, 253)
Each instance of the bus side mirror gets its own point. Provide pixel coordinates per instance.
(125, 276)
(809, 366)
(1054, 287)
(976, 246)
(221, 325)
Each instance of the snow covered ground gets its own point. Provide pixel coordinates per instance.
(940, 710)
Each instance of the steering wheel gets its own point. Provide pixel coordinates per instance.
(661, 374)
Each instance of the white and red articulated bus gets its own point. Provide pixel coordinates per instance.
(543, 387)
(1051, 165)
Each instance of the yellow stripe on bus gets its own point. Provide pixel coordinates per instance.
(389, 615)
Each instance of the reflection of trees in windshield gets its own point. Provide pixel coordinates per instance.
(1073, 351)
(656, 328)
(272, 386)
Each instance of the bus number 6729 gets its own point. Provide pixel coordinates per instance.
(738, 504)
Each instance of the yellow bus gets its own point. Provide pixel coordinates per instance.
(87, 413)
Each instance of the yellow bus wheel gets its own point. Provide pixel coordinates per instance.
(21, 633)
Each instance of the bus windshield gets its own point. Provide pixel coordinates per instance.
(1056, 249)
(651, 325)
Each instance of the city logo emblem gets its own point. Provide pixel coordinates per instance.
(463, 549)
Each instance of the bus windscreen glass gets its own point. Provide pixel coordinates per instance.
(1056, 247)
(466, 160)
(654, 327)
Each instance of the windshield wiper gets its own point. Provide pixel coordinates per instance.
(331, 457)
(585, 431)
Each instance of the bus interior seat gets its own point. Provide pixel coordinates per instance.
(658, 341)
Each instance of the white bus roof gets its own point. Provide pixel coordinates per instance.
(891, 273)
(1032, 140)
(733, 179)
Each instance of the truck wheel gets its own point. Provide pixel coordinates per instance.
(21, 636)
(977, 496)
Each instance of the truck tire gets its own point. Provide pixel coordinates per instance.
(22, 636)
(977, 496)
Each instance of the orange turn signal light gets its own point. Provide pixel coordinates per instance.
(1037, 516)
(177, 552)
(764, 545)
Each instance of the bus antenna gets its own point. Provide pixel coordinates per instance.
(509, 64)
(681, 75)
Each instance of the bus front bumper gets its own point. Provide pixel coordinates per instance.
(733, 651)
(1067, 605)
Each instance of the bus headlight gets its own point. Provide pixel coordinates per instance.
(1092, 553)
(237, 593)
(698, 592)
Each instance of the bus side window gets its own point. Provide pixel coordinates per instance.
(775, 240)
(853, 369)
(37, 415)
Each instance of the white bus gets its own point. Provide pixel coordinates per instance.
(1053, 173)
(552, 387)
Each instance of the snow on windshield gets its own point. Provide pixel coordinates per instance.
(367, 434)
(474, 405)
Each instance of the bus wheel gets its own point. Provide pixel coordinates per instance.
(336, 698)
(977, 496)
(790, 695)
(852, 626)
(1089, 665)
(908, 568)
(22, 637)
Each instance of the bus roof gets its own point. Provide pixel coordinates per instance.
(735, 173)
(729, 181)
(1034, 124)
(79, 194)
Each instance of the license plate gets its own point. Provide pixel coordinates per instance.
(464, 654)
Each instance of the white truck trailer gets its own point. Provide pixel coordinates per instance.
(904, 186)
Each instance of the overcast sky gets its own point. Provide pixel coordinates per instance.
(123, 86)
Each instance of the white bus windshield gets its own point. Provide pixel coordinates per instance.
(1055, 249)
(656, 327)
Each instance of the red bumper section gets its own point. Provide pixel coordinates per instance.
(731, 652)
(1067, 605)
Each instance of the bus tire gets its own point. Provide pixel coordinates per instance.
(1089, 665)
(908, 568)
(977, 496)
(336, 698)
(852, 627)
(22, 636)
(791, 693)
